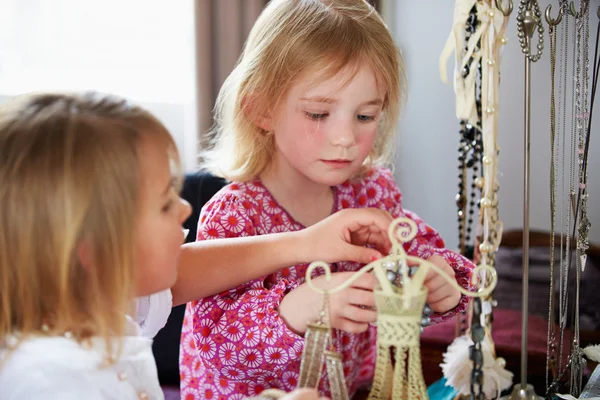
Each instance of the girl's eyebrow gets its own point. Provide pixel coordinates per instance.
(374, 102)
(329, 100)
(170, 185)
(320, 99)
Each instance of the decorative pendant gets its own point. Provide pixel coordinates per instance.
(335, 371)
(315, 342)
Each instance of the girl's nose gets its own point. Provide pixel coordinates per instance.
(186, 210)
(343, 135)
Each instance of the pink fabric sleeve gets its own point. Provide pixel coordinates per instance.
(241, 328)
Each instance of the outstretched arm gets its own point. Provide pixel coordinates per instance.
(212, 266)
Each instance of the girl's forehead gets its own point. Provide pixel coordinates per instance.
(323, 83)
(155, 156)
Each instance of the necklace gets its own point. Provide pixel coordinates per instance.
(525, 46)
(478, 151)
(562, 144)
(470, 151)
(551, 342)
(582, 116)
(573, 198)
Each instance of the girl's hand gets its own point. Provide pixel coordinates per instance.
(344, 235)
(303, 394)
(350, 310)
(442, 296)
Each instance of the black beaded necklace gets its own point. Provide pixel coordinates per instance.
(470, 151)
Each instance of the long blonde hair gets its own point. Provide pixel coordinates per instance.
(290, 38)
(69, 178)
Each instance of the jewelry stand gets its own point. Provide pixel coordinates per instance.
(477, 36)
(528, 18)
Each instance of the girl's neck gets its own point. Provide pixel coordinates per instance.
(307, 201)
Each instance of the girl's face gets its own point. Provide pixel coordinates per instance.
(324, 132)
(161, 214)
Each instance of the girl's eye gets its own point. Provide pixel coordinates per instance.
(315, 116)
(365, 118)
(167, 207)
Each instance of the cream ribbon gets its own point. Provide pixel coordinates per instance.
(491, 40)
(490, 34)
(489, 17)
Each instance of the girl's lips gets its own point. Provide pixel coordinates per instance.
(337, 163)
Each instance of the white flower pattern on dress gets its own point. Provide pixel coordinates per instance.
(214, 230)
(228, 354)
(276, 355)
(207, 348)
(232, 222)
(251, 357)
(251, 338)
(234, 331)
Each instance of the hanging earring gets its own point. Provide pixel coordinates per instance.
(335, 371)
(316, 338)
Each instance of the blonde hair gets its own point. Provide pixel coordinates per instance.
(69, 178)
(289, 39)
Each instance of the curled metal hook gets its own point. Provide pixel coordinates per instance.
(551, 21)
(505, 11)
(573, 11)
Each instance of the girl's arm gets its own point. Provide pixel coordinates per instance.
(212, 266)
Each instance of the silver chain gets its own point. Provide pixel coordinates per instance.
(575, 206)
(475, 353)
(551, 340)
(583, 58)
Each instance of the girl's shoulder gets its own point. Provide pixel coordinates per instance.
(62, 366)
(43, 364)
(240, 190)
(240, 196)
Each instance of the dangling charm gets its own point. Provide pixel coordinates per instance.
(335, 371)
(315, 343)
(316, 338)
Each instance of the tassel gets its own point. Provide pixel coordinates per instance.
(457, 368)
(592, 352)
(315, 342)
(335, 370)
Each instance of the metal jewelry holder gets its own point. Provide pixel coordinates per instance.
(528, 18)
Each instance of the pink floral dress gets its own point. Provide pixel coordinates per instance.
(235, 344)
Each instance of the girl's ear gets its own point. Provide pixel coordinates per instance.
(263, 120)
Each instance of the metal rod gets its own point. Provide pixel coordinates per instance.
(528, 20)
(526, 198)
